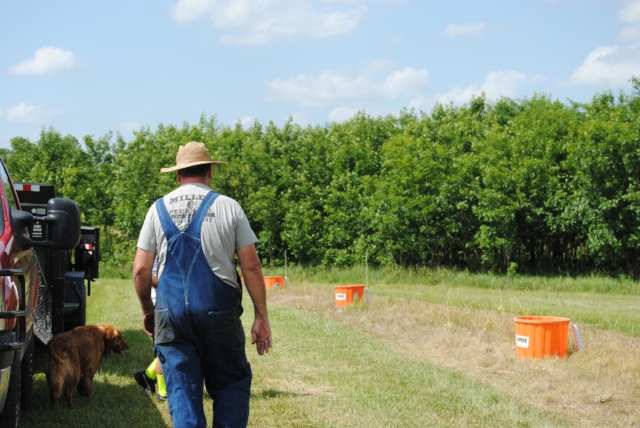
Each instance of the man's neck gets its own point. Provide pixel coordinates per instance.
(203, 179)
(194, 180)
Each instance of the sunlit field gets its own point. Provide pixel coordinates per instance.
(439, 353)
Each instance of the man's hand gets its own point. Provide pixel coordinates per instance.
(254, 281)
(261, 335)
(148, 323)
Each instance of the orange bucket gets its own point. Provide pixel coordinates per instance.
(346, 294)
(539, 337)
(271, 282)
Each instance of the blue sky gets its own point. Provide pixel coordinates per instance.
(94, 67)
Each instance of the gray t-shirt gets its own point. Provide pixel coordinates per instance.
(225, 229)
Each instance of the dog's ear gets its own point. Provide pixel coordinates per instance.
(109, 331)
(112, 340)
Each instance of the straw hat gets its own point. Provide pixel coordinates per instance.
(192, 154)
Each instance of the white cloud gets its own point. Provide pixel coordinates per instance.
(302, 119)
(1, 114)
(420, 103)
(342, 114)
(377, 80)
(256, 22)
(608, 65)
(503, 83)
(458, 95)
(47, 60)
(538, 78)
(630, 12)
(472, 29)
(629, 34)
(188, 10)
(244, 121)
(24, 113)
(498, 83)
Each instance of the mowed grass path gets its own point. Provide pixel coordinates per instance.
(320, 373)
(323, 374)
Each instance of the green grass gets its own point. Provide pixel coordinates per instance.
(454, 278)
(322, 374)
(601, 302)
(116, 400)
(426, 276)
(618, 312)
(319, 374)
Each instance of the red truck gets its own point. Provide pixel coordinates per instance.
(41, 286)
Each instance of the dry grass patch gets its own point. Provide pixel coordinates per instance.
(600, 387)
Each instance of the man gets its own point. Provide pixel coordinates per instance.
(196, 235)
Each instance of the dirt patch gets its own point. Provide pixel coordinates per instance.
(596, 388)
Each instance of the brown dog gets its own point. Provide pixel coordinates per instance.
(74, 358)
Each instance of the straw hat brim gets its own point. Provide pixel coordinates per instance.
(190, 164)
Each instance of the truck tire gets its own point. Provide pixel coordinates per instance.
(10, 416)
(26, 376)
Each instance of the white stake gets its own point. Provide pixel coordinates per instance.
(366, 277)
(574, 326)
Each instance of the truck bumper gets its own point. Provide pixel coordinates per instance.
(7, 341)
(5, 375)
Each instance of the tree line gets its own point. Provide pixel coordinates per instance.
(534, 185)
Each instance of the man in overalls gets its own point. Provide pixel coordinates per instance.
(196, 326)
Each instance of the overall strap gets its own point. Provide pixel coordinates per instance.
(196, 222)
(169, 227)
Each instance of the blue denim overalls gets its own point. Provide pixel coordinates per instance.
(198, 333)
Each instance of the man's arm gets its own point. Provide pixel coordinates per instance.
(142, 280)
(254, 281)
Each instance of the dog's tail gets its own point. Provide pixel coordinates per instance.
(56, 372)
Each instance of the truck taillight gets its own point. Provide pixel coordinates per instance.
(27, 187)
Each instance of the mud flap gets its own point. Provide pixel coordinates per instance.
(43, 326)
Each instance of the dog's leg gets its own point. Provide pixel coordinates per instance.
(72, 381)
(68, 392)
(84, 387)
